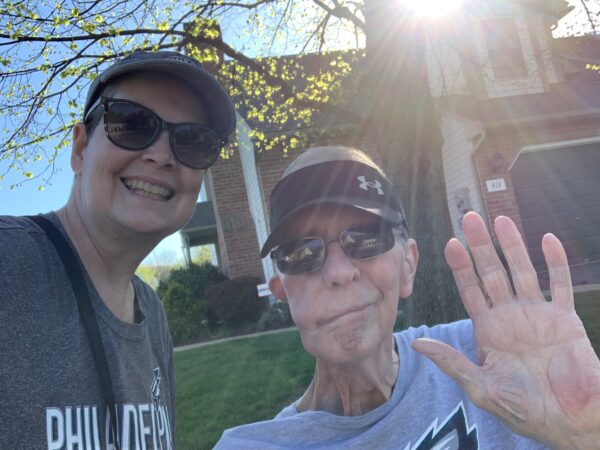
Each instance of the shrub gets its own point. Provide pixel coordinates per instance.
(184, 298)
(276, 316)
(400, 324)
(236, 301)
(185, 314)
(196, 277)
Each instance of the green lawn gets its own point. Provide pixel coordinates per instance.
(587, 306)
(223, 385)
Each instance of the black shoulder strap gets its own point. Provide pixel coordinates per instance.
(86, 312)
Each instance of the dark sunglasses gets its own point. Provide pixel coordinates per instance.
(132, 126)
(308, 254)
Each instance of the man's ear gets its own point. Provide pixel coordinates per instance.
(78, 146)
(411, 259)
(276, 288)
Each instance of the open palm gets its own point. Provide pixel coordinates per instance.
(537, 370)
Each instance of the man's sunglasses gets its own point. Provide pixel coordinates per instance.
(308, 254)
(132, 126)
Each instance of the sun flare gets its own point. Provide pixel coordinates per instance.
(432, 8)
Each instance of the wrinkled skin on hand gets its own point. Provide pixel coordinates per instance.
(537, 370)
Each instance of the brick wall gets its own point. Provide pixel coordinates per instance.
(238, 245)
(501, 148)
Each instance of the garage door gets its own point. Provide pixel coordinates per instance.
(558, 191)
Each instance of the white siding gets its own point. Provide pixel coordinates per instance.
(255, 199)
(462, 183)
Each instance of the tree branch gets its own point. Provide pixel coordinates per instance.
(342, 12)
(285, 87)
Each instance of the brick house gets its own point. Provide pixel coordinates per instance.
(520, 116)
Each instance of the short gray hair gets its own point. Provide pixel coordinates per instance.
(319, 155)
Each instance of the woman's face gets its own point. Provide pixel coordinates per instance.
(147, 191)
(348, 308)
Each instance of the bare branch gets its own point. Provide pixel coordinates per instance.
(342, 12)
(589, 16)
(91, 36)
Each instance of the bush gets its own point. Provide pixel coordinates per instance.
(196, 277)
(236, 302)
(276, 316)
(183, 295)
(185, 314)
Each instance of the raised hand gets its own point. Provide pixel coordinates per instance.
(537, 370)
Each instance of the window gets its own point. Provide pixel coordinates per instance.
(504, 48)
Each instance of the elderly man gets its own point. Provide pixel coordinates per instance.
(87, 358)
(523, 373)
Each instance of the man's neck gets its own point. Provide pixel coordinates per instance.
(353, 389)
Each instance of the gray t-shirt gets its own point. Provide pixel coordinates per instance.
(427, 410)
(50, 390)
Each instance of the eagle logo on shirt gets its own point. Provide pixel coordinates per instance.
(453, 433)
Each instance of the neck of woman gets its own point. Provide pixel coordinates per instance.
(109, 260)
(353, 388)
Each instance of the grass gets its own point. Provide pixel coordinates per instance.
(223, 385)
(587, 305)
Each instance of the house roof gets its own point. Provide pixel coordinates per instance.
(555, 9)
(203, 217)
(579, 48)
(562, 99)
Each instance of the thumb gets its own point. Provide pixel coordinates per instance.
(454, 364)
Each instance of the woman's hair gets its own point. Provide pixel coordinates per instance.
(319, 155)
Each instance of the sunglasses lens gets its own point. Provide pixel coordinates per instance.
(367, 243)
(194, 145)
(130, 126)
(300, 256)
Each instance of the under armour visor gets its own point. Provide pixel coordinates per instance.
(343, 182)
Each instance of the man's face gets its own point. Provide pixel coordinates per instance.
(348, 308)
(113, 184)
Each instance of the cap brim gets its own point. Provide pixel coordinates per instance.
(379, 211)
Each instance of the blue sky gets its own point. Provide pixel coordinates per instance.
(29, 199)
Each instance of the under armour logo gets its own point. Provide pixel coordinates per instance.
(365, 185)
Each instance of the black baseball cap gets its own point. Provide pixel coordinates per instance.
(342, 182)
(216, 100)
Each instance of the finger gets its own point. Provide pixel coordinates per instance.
(524, 276)
(561, 286)
(467, 281)
(454, 364)
(489, 268)
(497, 394)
